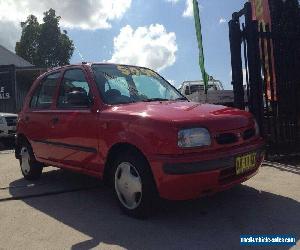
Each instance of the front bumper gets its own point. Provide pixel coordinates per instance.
(187, 177)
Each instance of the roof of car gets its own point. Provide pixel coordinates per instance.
(52, 70)
(91, 63)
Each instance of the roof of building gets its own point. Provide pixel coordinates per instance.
(7, 58)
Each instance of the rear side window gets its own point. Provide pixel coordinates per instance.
(43, 95)
(73, 80)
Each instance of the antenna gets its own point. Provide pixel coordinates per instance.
(78, 51)
(82, 59)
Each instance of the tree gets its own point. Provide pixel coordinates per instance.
(28, 46)
(44, 45)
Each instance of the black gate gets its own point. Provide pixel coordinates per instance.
(266, 68)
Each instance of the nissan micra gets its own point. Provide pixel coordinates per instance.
(128, 126)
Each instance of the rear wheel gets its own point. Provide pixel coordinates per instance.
(30, 168)
(134, 185)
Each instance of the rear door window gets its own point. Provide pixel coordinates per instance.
(44, 94)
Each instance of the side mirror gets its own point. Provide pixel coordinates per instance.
(78, 98)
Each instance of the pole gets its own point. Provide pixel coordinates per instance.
(200, 45)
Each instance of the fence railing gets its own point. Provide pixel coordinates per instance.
(271, 65)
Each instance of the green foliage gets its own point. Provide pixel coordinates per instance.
(28, 46)
(44, 45)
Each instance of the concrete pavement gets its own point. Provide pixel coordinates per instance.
(68, 211)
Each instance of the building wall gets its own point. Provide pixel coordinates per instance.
(14, 86)
(7, 89)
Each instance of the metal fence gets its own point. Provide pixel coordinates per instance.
(267, 64)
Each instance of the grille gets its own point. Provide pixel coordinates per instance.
(11, 121)
(248, 134)
(226, 138)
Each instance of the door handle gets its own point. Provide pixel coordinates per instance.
(55, 120)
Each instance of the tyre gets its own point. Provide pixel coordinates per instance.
(134, 185)
(30, 168)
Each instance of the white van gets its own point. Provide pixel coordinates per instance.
(8, 124)
(194, 91)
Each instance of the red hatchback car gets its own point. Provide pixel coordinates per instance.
(130, 127)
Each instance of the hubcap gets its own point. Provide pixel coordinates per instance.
(25, 160)
(128, 185)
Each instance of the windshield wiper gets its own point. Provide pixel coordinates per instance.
(155, 100)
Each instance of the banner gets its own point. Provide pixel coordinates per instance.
(261, 13)
(200, 44)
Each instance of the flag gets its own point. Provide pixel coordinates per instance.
(200, 44)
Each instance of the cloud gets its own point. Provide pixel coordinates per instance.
(172, 82)
(88, 14)
(189, 9)
(10, 33)
(222, 20)
(172, 1)
(188, 12)
(151, 47)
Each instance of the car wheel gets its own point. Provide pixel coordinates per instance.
(30, 168)
(134, 185)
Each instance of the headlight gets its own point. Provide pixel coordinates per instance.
(194, 137)
(257, 131)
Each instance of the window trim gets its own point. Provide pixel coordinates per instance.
(38, 88)
(61, 84)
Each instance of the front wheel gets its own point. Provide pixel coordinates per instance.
(30, 168)
(134, 185)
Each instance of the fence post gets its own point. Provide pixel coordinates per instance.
(256, 105)
(235, 38)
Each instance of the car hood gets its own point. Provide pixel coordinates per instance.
(184, 114)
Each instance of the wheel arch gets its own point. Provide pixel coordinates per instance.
(20, 138)
(113, 151)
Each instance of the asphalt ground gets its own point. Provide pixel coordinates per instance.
(64, 210)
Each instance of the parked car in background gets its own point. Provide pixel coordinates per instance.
(8, 124)
(190, 87)
(130, 127)
(195, 91)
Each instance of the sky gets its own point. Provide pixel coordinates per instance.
(159, 34)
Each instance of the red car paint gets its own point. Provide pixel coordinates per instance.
(150, 127)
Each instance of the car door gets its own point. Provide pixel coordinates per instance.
(74, 128)
(38, 116)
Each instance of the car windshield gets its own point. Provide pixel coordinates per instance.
(119, 84)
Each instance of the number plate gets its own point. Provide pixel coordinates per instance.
(245, 163)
